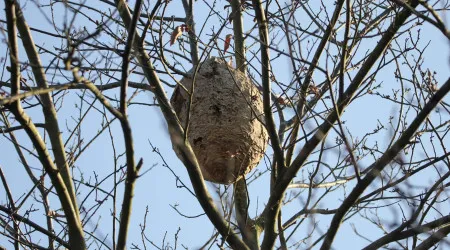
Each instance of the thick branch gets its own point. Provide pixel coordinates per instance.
(378, 166)
(238, 29)
(409, 233)
(272, 210)
(70, 209)
(48, 108)
(132, 169)
(309, 74)
(176, 133)
(249, 229)
(434, 238)
(189, 10)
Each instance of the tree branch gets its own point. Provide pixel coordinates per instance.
(176, 134)
(132, 169)
(70, 209)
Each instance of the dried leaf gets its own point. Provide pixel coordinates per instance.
(434, 87)
(313, 89)
(230, 62)
(177, 32)
(281, 101)
(227, 42)
(51, 213)
(184, 28)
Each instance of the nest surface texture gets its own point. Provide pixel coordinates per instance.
(225, 128)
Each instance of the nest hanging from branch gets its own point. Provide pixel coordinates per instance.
(225, 128)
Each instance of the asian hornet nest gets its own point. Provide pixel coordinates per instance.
(225, 124)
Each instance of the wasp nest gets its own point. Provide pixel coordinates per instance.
(225, 128)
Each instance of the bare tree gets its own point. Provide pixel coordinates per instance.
(353, 99)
